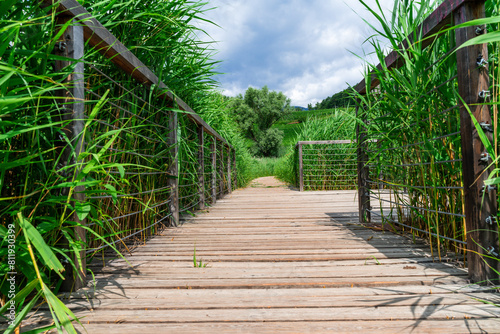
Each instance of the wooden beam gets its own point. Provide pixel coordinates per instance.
(472, 79)
(107, 44)
(71, 45)
(441, 17)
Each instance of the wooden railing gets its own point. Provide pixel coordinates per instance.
(479, 205)
(166, 122)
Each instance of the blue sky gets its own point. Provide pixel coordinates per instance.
(300, 47)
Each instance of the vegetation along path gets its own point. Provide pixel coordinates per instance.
(278, 261)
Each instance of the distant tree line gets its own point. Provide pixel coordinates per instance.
(339, 100)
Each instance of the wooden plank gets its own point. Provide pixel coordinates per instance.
(417, 312)
(71, 45)
(224, 295)
(435, 22)
(473, 79)
(107, 44)
(376, 327)
(206, 300)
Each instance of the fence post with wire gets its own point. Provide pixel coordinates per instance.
(429, 149)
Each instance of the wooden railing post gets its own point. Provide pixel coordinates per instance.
(213, 155)
(229, 181)
(221, 171)
(173, 169)
(480, 213)
(235, 171)
(71, 45)
(301, 168)
(201, 166)
(363, 170)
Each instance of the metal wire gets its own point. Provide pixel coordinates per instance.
(140, 173)
(412, 186)
(323, 169)
(133, 213)
(133, 153)
(134, 194)
(430, 117)
(419, 208)
(189, 196)
(129, 236)
(188, 185)
(127, 90)
(417, 229)
(127, 111)
(415, 144)
(125, 130)
(418, 164)
(192, 206)
(351, 161)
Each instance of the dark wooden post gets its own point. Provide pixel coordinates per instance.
(201, 166)
(235, 171)
(363, 170)
(221, 170)
(473, 78)
(173, 169)
(229, 181)
(213, 154)
(301, 167)
(71, 45)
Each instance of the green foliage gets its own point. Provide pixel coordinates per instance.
(269, 142)
(256, 113)
(341, 99)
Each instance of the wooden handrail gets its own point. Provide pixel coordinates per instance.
(107, 44)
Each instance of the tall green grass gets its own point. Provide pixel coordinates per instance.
(413, 116)
(127, 156)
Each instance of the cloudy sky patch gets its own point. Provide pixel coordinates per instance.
(299, 47)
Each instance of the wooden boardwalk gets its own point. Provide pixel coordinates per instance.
(281, 261)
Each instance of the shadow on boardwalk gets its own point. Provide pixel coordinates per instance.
(281, 261)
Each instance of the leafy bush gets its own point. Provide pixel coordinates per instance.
(269, 143)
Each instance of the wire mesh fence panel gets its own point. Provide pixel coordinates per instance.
(414, 154)
(126, 142)
(327, 165)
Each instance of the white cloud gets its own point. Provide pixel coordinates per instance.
(295, 46)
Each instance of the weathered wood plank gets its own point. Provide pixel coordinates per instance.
(349, 327)
(416, 312)
(276, 269)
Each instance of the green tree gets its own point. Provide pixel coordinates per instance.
(256, 112)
